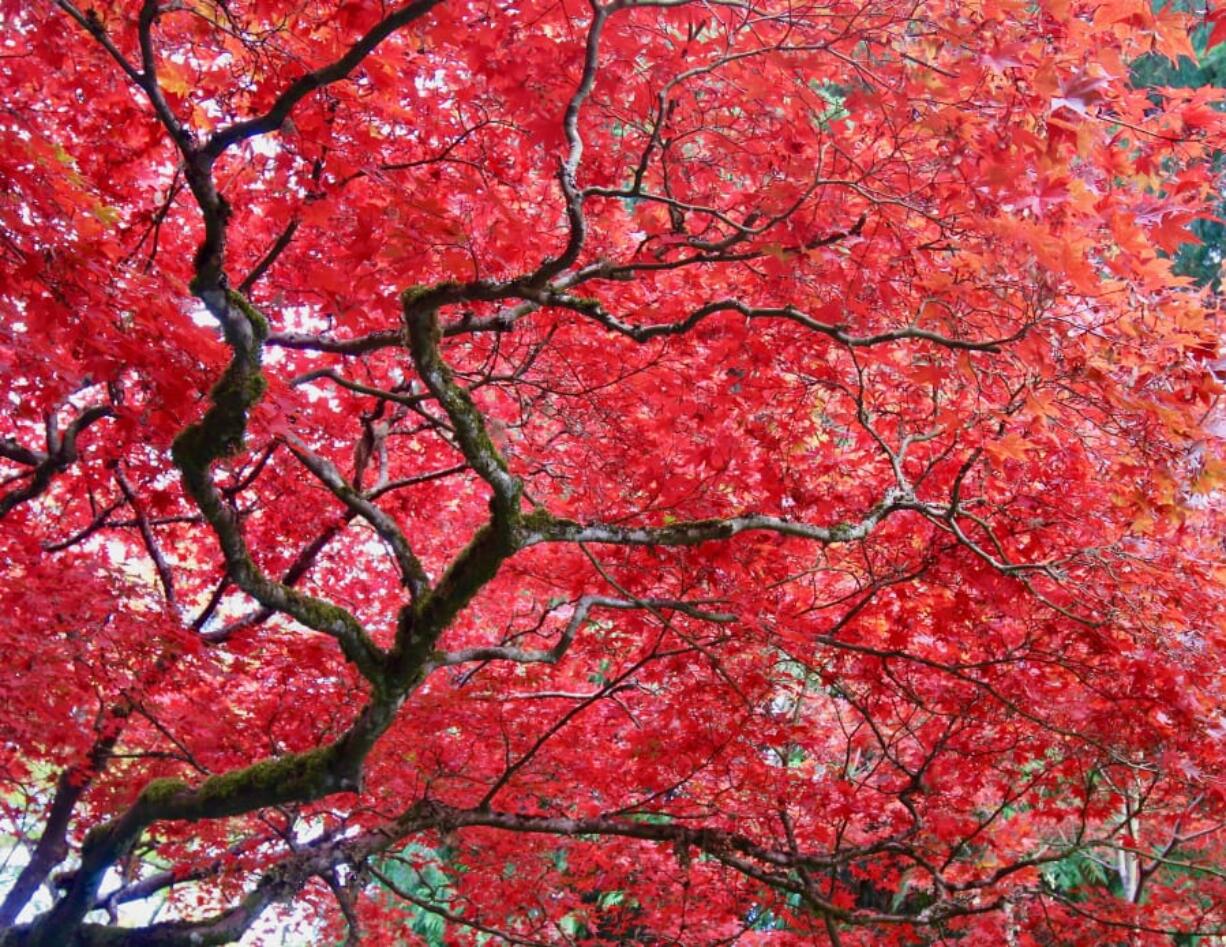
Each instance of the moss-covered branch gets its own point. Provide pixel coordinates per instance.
(299, 777)
(220, 434)
(425, 335)
(420, 627)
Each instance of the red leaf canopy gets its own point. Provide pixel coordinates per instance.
(658, 472)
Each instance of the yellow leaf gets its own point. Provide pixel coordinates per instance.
(173, 79)
(1011, 445)
(1212, 476)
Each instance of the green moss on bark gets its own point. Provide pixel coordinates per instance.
(160, 792)
(259, 324)
(538, 520)
(297, 776)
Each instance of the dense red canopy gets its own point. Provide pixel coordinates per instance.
(645, 472)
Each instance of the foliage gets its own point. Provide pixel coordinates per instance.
(647, 472)
(1200, 258)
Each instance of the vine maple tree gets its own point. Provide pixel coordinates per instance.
(654, 471)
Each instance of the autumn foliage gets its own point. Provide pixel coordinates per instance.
(650, 471)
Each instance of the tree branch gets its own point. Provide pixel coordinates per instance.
(146, 532)
(411, 571)
(582, 608)
(61, 453)
(301, 87)
(424, 337)
(544, 528)
(593, 309)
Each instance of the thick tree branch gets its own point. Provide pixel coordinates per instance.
(52, 847)
(390, 338)
(219, 434)
(543, 528)
(480, 452)
(782, 866)
(148, 79)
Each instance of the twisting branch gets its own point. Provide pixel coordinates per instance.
(548, 529)
(52, 847)
(60, 454)
(144, 78)
(392, 676)
(424, 337)
(277, 885)
(411, 571)
(642, 333)
(334, 376)
(296, 777)
(93, 26)
(220, 434)
(582, 608)
(303, 86)
(570, 164)
(148, 81)
(307, 555)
